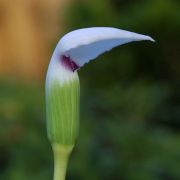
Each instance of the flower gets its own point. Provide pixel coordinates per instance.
(62, 83)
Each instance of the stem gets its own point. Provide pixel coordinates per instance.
(61, 157)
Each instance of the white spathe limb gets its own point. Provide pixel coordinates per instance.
(83, 45)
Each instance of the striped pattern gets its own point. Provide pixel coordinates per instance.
(63, 112)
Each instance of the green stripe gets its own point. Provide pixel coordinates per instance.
(63, 112)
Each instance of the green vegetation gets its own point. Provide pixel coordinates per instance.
(130, 103)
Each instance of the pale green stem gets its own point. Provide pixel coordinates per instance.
(61, 157)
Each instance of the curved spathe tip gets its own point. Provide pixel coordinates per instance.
(83, 45)
(148, 38)
(151, 39)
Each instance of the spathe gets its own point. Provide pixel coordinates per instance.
(63, 89)
(83, 45)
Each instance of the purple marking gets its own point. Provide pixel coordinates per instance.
(69, 63)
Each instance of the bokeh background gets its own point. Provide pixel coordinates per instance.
(130, 97)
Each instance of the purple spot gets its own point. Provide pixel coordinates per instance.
(69, 63)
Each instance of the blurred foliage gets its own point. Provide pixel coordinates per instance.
(24, 149)
(130, 103)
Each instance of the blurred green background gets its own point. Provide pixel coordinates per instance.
(130, 102)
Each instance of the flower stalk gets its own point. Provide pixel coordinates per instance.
(61, 157)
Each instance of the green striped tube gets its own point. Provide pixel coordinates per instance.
(62, 108)
(63, 112)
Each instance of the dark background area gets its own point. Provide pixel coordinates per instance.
(130, 102)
